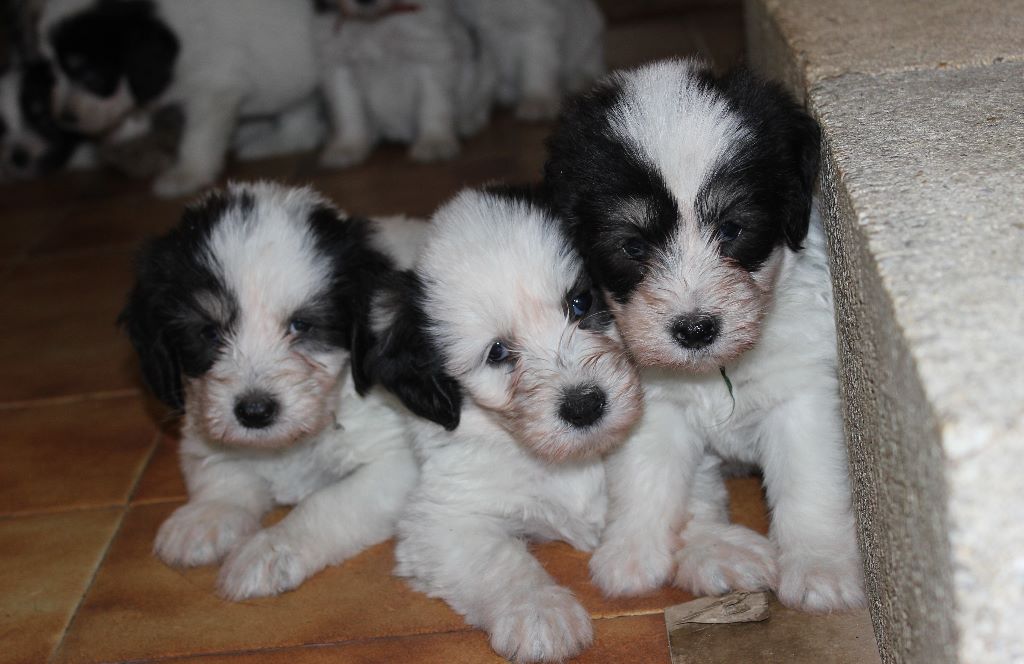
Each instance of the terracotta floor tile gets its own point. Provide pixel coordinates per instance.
(79, 454)
(626, 640)
(48, 561)
(161, 481)
(138, 607)
(24, 228)
(57, 327)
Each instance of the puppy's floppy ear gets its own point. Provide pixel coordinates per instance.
(148, 50)
(403, 358)
(805, 150)
(146, 320)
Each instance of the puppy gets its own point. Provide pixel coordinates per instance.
(691, 198)
(243, 316)
(400, 72)
(543, 49)
(499, 337)
(214, 59)
(31, 142)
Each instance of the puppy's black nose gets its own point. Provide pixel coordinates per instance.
(20, 157)
(582, 405)
(256, 410)
(695, 330)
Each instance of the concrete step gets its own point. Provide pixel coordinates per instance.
(922, 109)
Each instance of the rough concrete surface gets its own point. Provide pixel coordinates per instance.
(827, 38)
(923, 180)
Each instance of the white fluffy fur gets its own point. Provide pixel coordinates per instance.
(238, 58)
(543, 49)
(666, 492)
(495, 269)
(406, 76)
(342, 460)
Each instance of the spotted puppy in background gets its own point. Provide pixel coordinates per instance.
(499, 337)
(405, 72)
(243, 317)
(691, 198)
(543, 49)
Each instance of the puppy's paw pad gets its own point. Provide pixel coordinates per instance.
(630, 566)
(265, 565)
(434, 148)
(725, 559)
(180, 182)
(550, 625)
(343, 155)
(202, 533)
(820, 585)
(539, 108)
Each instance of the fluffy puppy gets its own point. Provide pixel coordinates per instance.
(243, 317)
(543, 49)
(400, 72)
(691, 198)
(499, 337)
(213, 59)
(31, 142)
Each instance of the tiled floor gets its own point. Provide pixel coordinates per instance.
(89, 463)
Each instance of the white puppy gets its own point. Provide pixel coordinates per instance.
(543, 49)
(243, 316)
(400, 72)
(691, 197)
(499, 336)
(218, 60)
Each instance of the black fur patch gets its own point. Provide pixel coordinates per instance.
(404, 359)
(765, 187)
(117, 40)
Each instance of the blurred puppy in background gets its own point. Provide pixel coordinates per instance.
(218, 61)
(543, 49)
(243, 316)
(406, 72)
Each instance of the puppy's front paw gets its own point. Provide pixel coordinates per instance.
(723, 558)
(267, 564)
(202, 533)
(538, 108)
(344, 154)
(549, 625)
(180, 181)
(630, 565)
(434, 148)
(819, 584)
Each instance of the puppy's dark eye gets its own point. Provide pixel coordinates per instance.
(729, 231)
(299, 326)
(580, 304)
(210, 333)
(499, 353)
(635, 248)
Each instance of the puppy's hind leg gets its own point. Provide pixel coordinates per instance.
(209, 124)
(353, 136)
(329, 526)
(487, 574)
(718, 556)
(436, 137)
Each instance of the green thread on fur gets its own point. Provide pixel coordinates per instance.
(728, 385)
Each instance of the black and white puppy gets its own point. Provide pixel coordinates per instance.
(31, 142)
(243, 316)
(691, 197)
(500, 337)
(217, 60)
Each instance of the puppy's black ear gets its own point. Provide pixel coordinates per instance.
(147, 324)
(404, 359)
(805, 151)
(149, 50)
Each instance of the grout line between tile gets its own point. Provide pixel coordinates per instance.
(70, 399)
(92, 579)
